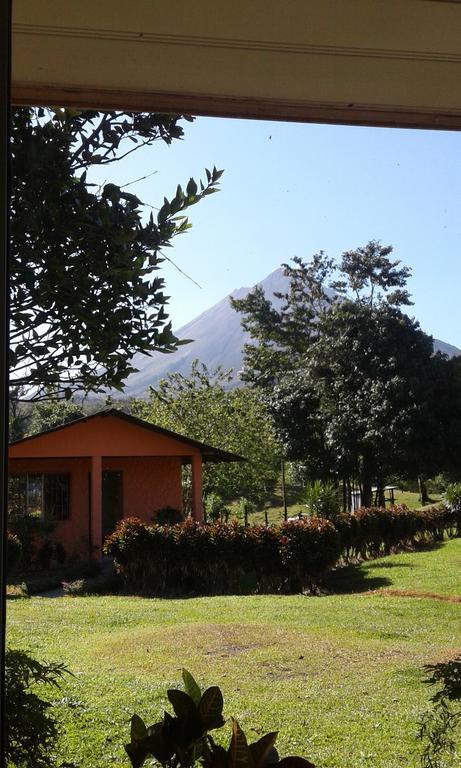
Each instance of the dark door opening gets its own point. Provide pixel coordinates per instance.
(112, 501)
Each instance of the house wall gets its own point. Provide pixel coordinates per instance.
(149, 483)
(73, 533)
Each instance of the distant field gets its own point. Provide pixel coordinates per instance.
(339, 676)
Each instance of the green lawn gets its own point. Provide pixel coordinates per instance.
(274, 508)
(339, 676)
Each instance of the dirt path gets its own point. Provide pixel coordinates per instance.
(413, 593)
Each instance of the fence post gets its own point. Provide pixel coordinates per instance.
(284, 498)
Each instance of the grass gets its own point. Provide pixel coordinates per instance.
(339, 676)
(294, 507)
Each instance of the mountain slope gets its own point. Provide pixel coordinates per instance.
(218, 340)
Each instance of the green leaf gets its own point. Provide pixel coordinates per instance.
(183, 732)
(295, 762)
(238, 752)
(192, 688)
(191, 188)
(183, 704)
(138, 729)
(137, 754)
(215, 756)
(210, 708)
(262, 748)
(156, 744)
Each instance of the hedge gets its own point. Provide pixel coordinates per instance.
(217, 558)
(221, 558)
(375, 531)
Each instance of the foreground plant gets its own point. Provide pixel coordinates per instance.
(181, 740)
(440, 725)
(31, 730)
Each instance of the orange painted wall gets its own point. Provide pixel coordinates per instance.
(149, 483)
(102, 436)
(72, 533)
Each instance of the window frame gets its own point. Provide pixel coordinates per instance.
(61, 511)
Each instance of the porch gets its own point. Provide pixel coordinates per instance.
(87, 475)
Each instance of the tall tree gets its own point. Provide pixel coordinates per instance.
(282, 334)
(85, 295)
(369, 370)
(202, 407)
(346, 375)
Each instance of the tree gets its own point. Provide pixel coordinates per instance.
(84, 293)
(351, 392)
(368, 369)
(283, 335)
(201, 407)
(443, 431)
(18, 415)
(52, 413)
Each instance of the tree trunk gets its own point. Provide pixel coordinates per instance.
(284, 498)
(381, 494)
(367, 495)
(423, 494)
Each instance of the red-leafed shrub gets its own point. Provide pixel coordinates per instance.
(308, 548)
(221, 557)
(375, 531)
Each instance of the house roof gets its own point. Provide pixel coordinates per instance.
(209, 452)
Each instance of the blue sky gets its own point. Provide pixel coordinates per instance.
(293, 189)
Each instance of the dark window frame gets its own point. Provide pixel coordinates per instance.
(55, 494)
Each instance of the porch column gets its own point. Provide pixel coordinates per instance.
(197, 500)
(96, 507)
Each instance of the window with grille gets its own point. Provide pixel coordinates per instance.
(44, 494)
(56, 497)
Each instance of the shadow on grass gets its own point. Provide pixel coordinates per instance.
(362, 577)
(353, 579)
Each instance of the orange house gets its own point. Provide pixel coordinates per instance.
(88, 474)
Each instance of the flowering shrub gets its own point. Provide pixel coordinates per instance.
(229, 558)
